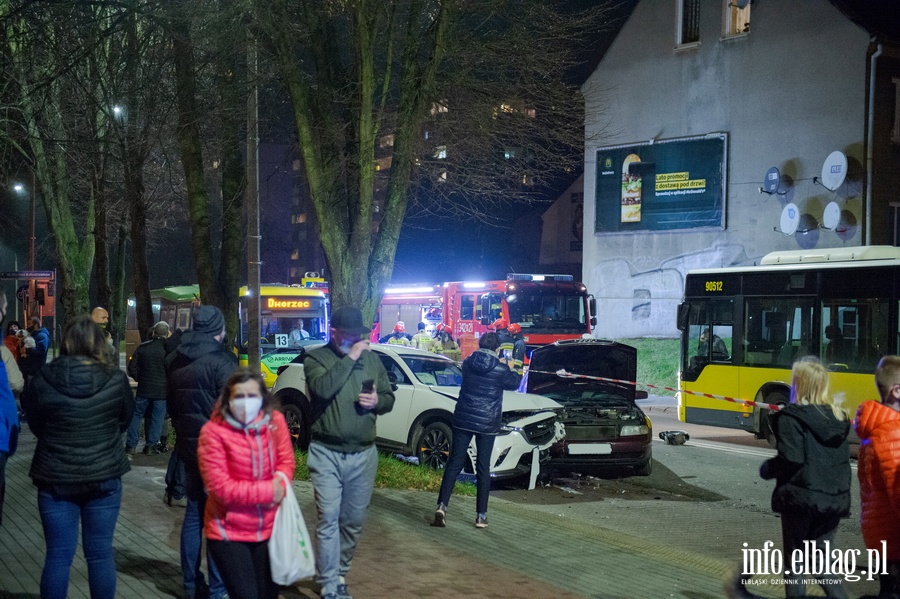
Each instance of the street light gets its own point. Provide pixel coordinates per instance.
(22, 190)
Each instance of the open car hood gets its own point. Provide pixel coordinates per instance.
(591, 357)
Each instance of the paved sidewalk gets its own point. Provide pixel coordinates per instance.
(527, 550)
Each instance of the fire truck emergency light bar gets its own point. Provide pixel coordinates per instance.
(526, 277)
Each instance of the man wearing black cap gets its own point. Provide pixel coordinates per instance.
(196, 373)
(349, 388)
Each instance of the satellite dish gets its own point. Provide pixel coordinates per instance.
(832, 216)
(790, 219)
(834, 170)
(773, 178)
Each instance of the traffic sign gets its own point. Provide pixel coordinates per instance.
(22, 292)
(27, 274)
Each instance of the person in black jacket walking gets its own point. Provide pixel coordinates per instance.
(148, 367)
(78, 406)
(197, 371)
(477, 414)
(812, 470)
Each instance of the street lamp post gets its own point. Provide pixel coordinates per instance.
(20, 189)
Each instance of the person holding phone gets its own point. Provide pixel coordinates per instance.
(477, 415)
(349, 388)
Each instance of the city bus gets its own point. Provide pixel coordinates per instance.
(548, 308)
(282, 308)
(742, 328)
(170, 304)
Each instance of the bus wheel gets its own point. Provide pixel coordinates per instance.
(778, 398)
(433, 445)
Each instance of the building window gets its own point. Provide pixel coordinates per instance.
(440, 152)
(688, 22)
(737, 17)
(895, 134)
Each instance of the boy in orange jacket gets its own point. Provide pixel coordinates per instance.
(878, 427)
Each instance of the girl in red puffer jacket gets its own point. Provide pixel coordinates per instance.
(244, 444)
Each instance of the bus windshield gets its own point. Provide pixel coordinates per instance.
(287, 322)
(548, 311)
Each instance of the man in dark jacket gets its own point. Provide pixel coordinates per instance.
(148, 368)
(197, 372)
(477, 414)
(349, 388)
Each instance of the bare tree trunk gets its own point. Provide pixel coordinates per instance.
(189, 142)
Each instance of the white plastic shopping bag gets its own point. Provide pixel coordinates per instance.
(290, 549)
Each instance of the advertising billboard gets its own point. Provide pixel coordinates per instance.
(662, 185)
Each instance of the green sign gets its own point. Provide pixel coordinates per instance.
(662, 185)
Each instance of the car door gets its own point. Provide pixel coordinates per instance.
(394, 426)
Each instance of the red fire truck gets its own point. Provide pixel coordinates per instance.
(548, 308)
(411, 305)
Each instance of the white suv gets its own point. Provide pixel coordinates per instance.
(420, 424)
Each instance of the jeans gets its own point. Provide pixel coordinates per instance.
(60, 515)
(155, 417)
(343, 484)
(192, 540)
(245, 569)
(3, 457)
(175, 476)
(797, 527)
(484, 445)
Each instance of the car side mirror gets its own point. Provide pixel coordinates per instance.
(641, 395)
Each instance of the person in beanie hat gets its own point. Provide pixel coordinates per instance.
(196, 373)
(148, 367)
(348, 389)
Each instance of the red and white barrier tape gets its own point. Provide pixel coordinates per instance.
(746, 402)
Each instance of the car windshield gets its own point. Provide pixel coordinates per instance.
(434, 371)
(586, 394)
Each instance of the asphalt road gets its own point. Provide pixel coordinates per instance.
(705, 496)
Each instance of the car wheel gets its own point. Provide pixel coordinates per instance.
(433, 445)
(778, 398)
(644, 469)
(298, 426)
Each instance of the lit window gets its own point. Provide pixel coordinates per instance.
(301, 218)
(295, 255)
(442, 177)
(440, 152)
(510, 153)
(438, 107)
(386, 141)
(531, 113)
(688, 22)
(737, 17)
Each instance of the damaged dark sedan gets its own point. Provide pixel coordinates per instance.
(604, 425)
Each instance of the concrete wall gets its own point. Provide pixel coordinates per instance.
(788, 93)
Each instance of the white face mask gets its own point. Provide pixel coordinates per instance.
(245, 409)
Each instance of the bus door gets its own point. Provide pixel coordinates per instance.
(854, 333)
(708, 354)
